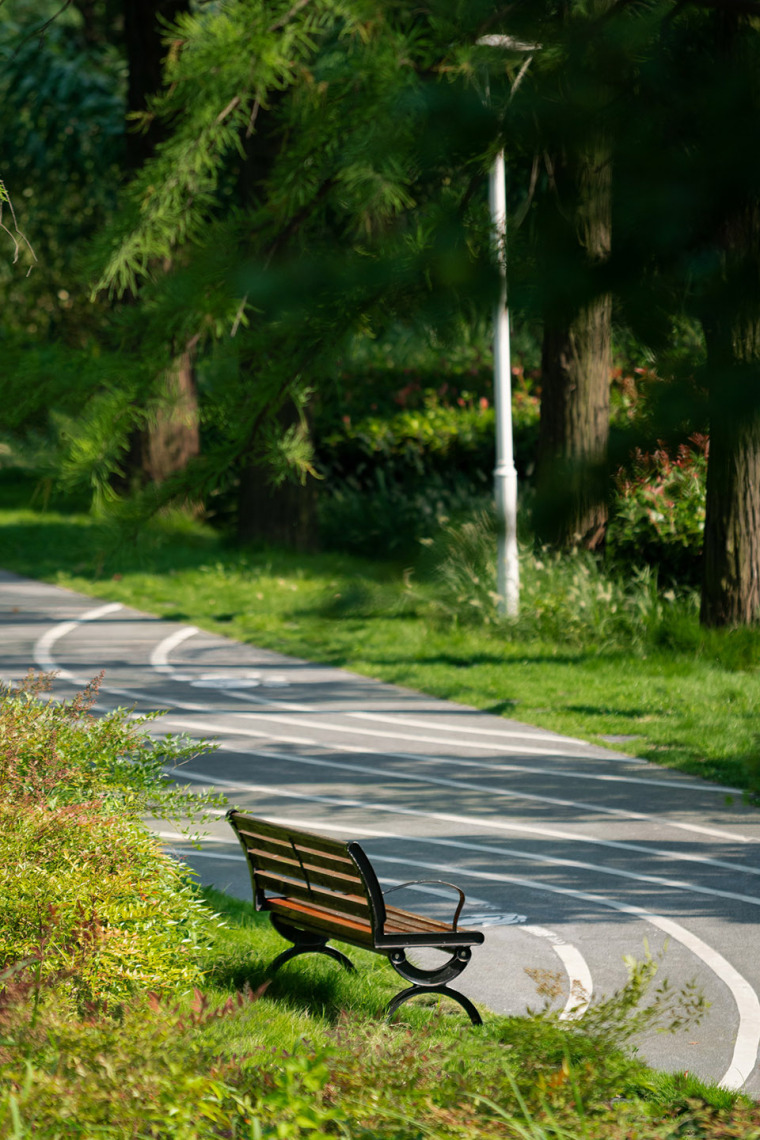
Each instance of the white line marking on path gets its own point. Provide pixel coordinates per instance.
(42, 655)
(515, 853)
(543, 831)
(159, 658)
(462, 761)
(413, 736)
(509, 733)
(508, 793)
(747, 1003)
(45, 660)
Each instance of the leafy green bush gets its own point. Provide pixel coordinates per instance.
(95, 892)
(382, 517)
(658, 513)
(395, 477)
(85, 891)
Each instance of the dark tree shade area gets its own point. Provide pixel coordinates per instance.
(225, 196)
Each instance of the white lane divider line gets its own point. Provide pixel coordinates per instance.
(460, 785)
(508, 733)
(413, 736)
(229, 683)
(159, 658)
(46, 661)
(746, 1000)
(58, 631)
(499, 824)
(43, 658)
(580, 982)
(663, 783)
(509, 852)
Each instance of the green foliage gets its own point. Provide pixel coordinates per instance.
(320, 172)
(143, 1075)
(376, 513)
(438, 432)
(84, 890)
(406, 458)
(568, 599)
(91, 897)
(59, 753)
(61, 137)
(659, 511)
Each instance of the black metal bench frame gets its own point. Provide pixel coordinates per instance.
(316, 888)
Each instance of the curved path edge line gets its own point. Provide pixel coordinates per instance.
(747, 1003)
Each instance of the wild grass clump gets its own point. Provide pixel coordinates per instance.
(569, 598)
(574, 598)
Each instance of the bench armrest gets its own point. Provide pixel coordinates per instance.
(438, 882)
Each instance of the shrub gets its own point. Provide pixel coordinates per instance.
(395, 478)
(85, 890)
(384, 518)
(96, 894)
(658, 514)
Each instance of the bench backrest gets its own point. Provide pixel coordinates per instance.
(332, 873)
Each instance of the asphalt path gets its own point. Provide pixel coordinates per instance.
(572, 856)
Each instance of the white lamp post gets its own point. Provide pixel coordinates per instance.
(505, 472)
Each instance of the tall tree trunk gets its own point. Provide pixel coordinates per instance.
(173, 438)
(167, 445)
(731, 322)
(283, 515)
(571, 499)
(731, 568)
(143, 41)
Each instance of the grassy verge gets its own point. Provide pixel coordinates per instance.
(132, 1005)
(674, 694)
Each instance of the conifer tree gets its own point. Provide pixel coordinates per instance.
(360, 145)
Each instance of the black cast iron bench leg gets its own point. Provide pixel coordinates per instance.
(432, 982)
(304, 943)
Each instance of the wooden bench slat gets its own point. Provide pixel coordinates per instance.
(319, 896)
(285, 847)
(399, 920)
(322, 919)
(307, 873)
(274, 831)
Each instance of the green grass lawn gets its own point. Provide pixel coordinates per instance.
(133, 1005)
(694, 708)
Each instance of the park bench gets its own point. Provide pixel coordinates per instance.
(316, 888)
